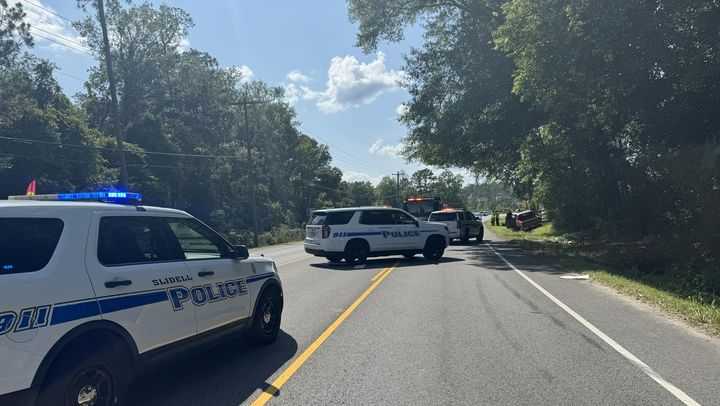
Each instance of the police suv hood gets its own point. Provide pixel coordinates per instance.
(432, 225)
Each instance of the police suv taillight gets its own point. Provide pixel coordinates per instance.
(325, 231)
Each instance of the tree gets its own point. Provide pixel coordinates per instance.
(386, 191)
(14, 32)
(361, 193)
(448, 187)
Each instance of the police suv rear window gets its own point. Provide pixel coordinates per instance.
(452, 216)
(27, 244)
(334, 218)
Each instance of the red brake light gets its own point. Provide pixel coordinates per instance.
(325, 231)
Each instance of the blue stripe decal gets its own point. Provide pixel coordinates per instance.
(360, 234)
(259, 277)
(115, 304)
(74, 311)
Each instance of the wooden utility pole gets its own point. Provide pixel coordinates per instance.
(397, 198)
(117, 131)
(253, 180)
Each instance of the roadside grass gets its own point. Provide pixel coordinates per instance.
(678, 293)
(544, 232)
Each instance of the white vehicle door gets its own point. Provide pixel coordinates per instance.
(219, 290)
(380, 229)
(132, 264)
(450, 219)
(407, 231)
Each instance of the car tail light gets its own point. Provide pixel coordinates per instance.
(325, 231)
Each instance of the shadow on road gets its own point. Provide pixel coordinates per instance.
(223, 375)
(482, 256)
(380, 263)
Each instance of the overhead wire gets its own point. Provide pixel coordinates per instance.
(41, 7)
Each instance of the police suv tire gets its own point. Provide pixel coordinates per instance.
(266, 321)
(83, 374)
(481, 236)
(356, 252)
(434, 248)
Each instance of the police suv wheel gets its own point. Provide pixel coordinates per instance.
(356, 252)
(99, 378)
(434, 249)
(481, 235)
(266, 322)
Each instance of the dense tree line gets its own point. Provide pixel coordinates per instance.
(606, 112)
(188, 143)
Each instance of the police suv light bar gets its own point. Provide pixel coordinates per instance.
(105, 197)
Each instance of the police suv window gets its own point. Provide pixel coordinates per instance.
(323, 218)
(402, 218)
(127, 240)
(27, 244)
(443, 216)
(377, 217)
(196, 240)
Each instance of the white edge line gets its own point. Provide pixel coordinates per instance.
(674, 390)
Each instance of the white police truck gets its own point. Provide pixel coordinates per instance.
(90, 292)
(354, 234)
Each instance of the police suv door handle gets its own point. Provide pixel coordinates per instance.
(115, 284)
(203, 274)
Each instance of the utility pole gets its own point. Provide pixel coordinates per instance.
(397, 198)
(253, 180)
(117, 131)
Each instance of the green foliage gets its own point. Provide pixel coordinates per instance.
(603, 112)
(192, 141)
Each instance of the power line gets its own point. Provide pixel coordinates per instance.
(59, 72)
(59, 36)
(55, 13)
(84, 51)
(61, 145)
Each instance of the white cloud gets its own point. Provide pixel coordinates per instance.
(353, 176)
(380, 148)
(50, 30)
(351, 83)
(246, 73)
(297, 76)
(184, 45)
(401, 109)
(242, 73)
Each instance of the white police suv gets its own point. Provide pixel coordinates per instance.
(354, 234)
(90, 292)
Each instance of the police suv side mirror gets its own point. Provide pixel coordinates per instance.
(240, 252)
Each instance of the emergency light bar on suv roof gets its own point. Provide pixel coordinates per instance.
(105, 197)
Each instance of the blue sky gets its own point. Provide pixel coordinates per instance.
(343, 97)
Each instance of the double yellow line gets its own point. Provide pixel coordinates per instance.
(281, 380)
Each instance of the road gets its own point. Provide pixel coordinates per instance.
(469, 330)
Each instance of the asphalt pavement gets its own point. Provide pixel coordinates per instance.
(471, 329)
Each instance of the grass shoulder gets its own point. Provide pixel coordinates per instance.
(684, 294)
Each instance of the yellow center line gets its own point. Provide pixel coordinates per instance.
(281, 380)
(379, 274)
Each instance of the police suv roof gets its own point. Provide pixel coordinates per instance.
(84, 205)
(353, 209)
(448, 211)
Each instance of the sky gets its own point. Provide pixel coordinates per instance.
(343, 97)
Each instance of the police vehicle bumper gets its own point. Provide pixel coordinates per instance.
(318, 252)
